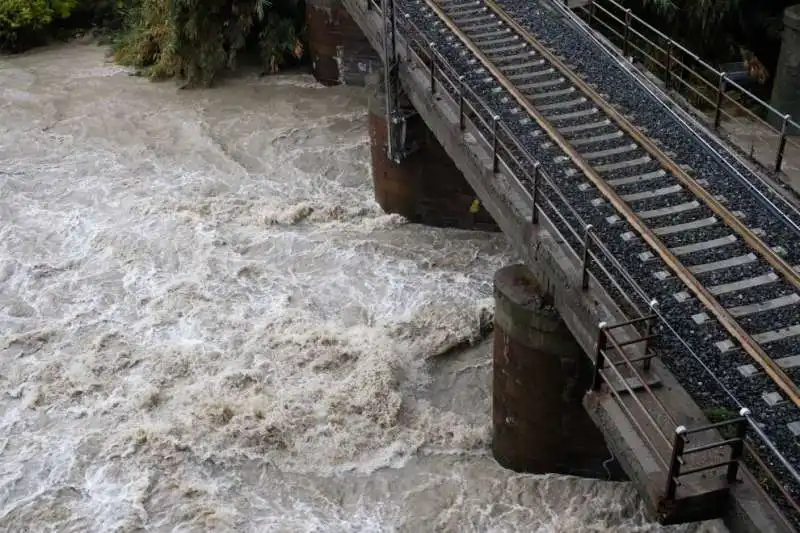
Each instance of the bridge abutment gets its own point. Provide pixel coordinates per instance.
(426, 187)
(340, 53)
(540, 377)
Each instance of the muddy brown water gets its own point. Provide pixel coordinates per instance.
(207, 324)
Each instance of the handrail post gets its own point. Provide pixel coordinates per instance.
(495, 155)
(628, 20)
(599, 358)
(407, 17)
(668, 72)
(433, 67)
(737, 449)
(587, 240)
(723, 81)
(648, 332)
(535, 213)
(782, 143)
(462, 125)
(675, 463)
(592, 12)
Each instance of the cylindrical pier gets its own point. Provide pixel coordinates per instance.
(340, 53)
(540, 377)
(426, 187)
(785, 95)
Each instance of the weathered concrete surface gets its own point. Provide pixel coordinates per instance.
(558, 270)
(340, 53)
(786, 91)
(539, 378)
(426, 187)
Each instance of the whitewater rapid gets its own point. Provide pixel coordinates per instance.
(207, 324)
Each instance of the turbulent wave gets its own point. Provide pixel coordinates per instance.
(207, 324)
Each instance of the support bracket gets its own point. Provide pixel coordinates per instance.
(397, 112)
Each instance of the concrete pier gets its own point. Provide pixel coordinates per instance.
(785, 95)
(426, 187)
(540, 377)
(340, 53)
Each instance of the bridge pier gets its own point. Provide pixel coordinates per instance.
(340, 53)
(540, 377)
(787, 76)
(426, 187)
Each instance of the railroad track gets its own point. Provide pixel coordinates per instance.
(749, 293)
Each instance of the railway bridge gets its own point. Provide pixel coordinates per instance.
(658, 287)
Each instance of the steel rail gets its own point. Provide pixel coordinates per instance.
(459, 88)
(731, 220)
(749, 344)
(688, 120)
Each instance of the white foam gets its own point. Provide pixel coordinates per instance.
(197, 286)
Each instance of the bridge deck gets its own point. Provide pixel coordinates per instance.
(554, 260)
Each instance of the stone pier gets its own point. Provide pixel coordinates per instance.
(785, 94)
(426, 187)
(340, 53)
(540, 377)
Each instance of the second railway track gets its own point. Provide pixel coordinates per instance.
(749, 294)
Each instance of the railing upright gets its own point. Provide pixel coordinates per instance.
(587, 245)
(627, 38)
(678, 445)
(535, 194)
(782, 143)
(721, 84)
(599, 357)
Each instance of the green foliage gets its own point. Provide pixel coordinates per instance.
(22, 21)
(149, 40)
(279, 38)
(103, 15)
(210, 33)
(195, 40)
(724, 30)
(721, 414)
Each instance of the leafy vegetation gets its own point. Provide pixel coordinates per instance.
(722, 414)
(22, 21)
(723, 30)
(193, 40)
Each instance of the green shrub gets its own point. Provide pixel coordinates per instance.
(721, 30)
(22, 22)
(278, 40)
(195, 40)
(149, 40)
(102, 15)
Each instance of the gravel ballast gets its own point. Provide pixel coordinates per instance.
(610, 79)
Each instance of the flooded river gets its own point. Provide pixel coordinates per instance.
(207, 324)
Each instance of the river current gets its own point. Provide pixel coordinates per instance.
(208, 324)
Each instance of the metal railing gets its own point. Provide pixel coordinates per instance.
(763, 132)
(676, 446)
(679, 452)
(599, 270)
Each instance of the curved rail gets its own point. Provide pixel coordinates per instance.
(725, 318)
